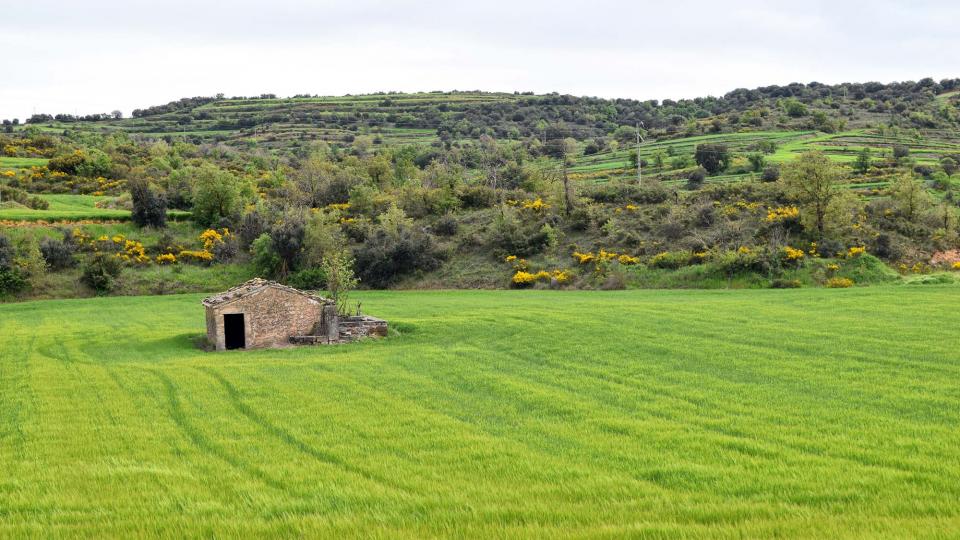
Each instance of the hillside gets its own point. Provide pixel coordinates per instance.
(440, 189)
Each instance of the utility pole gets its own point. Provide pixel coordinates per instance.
(639, 161)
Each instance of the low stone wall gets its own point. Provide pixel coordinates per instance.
(350, 329)
(353, 328)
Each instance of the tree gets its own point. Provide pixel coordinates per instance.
(287, 240)
(380, 170)
(323, 236)
(862, 163)
(812, 181)
(696, 178)
(149, 207)
(312, 179)
(30, 260)
(900, 151)
(338, 267)
(794, 108)
(949, 165)
(100, 272)
(12, 279)
(712, 157)
(910, 196)
(658, 159)
(216, 194)
(757, 161)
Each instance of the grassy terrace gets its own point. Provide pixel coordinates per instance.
(73, 207)
(20, 162)
(668, 414)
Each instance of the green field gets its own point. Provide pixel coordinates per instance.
(72, 208)
(20, 162)
(66, 207)
(659, 414)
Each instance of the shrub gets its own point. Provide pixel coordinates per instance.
(511, 235)
(478, 196)
(785, 284)
(310, 279)
(671, 259)
(384, 258)
(419, 202)
(614, 280)
(7, 252)
(737, 262)
(266, 262)
(522, 280)
(446, 225)
(713, 157)
(287, 241)
(149, 207)
(770, 174)
(696, 178)
(622, 193)
(839, 283)
(226, 250)
(11, 281)
(57, 253)
(100, 272)
(949, 165)
(251, 227)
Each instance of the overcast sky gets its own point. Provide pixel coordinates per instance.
(99, 55)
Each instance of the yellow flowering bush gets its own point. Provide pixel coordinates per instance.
(671, 259)
(523, 279)
(583, 258)
(856, 251)
(793, 254)
(627, 259)
(955, 266)
(542, 275)
(839, 283)
(537, 205)
(782, 213)
(604, 255)
(212, 237)
(199, 256)
(166, 258)
(562, 276)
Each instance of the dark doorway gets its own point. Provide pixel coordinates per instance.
(234, 336)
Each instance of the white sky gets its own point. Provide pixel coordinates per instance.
(99, 55)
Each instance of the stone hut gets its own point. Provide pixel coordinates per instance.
(261, 313)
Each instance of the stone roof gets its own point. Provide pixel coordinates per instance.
(252, 287)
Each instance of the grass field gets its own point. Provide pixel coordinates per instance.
(73, 207)
(680, 414)
(20, 162)
(66, 207)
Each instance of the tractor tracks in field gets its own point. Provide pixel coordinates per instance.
(15, 385)
(202, 442)
(291, 440)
